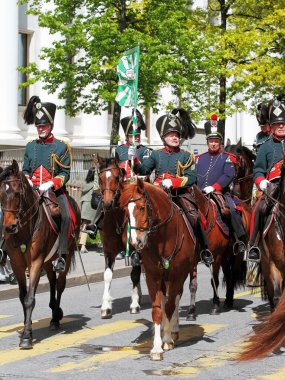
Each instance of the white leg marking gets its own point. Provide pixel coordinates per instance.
(135, 298)
(157, 342)
(107, 299)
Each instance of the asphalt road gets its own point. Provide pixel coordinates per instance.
(87, 347)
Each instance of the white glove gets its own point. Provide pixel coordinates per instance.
(132, 152)
(167, 183)
(208, 189)
(46, 186)
(263, 184)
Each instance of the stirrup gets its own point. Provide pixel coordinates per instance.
(91, 230)
(253, 254)
(206, 257)
(2, 256)
(59, 265)
(239, 247)
(135, 259)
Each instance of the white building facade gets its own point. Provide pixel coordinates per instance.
(21, 42)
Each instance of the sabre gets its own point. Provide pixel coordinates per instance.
(82, 265)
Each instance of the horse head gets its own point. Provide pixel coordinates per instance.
(11, 188)
(135, 201)
(110, 178)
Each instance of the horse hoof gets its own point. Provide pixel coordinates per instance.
(175, 336)
(228, 305)
(106, 314)
(167, 346)
(191, 317)
(54, 326)
(135, 310)
(26, 343)
(215, 311)
(156, 356)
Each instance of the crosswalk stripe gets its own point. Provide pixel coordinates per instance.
(185, 334)
(6, 331)
(62, 341)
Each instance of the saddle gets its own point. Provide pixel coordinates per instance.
(221, 202)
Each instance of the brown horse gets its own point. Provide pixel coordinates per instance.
(221, 245)
(167, 248)
(26, 225)
(114, 233)
(270, 334)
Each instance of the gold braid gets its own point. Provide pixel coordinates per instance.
(55, 159)
(181, 168)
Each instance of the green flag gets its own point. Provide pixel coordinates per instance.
(128, 73)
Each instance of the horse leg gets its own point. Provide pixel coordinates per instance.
(215, 284)
(106, 308)
(136, 292)
(29, 304)
(156, 352)
(171, 323)
(53, 303)
(228, 273)
(191, 316)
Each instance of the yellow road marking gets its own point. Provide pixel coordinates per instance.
(185, 334)
(248, 292)
(62, 341)
(5, 316)
(6, 331)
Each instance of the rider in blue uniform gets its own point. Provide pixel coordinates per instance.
(267, 172)
(47, 164)
(216, 171)
(174, 167)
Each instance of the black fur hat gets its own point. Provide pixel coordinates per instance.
(262, 114)
(177, 121)
(214, 128)
(38, 112)
(276, 110)
(127, 124)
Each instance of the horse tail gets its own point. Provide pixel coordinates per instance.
(269, 336)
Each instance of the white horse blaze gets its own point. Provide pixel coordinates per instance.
(131, 208)
(108, 174)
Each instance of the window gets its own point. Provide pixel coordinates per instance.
(22, 61)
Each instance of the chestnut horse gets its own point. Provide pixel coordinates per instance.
(114, 233)
(167, 248)
(26, 224)
(270, 334)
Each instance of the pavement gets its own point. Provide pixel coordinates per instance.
(94, 264)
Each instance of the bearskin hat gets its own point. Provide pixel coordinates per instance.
(39, 113)
(177, 121)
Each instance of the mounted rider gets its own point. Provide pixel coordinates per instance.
(47, 163)
(174, 167)
(216, 171)
(267, 172)
(121, 154)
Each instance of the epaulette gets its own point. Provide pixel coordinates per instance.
(232, 157)
(29, 142)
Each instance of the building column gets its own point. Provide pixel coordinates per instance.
(10, 133)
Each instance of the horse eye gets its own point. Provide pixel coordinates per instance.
(142, 208)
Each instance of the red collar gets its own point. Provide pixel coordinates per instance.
(49, 140)
(167, 149)
(278, 138)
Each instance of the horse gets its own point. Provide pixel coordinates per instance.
(269, 335)
(31, 243)
(243, 182)
(159, 232)
(113, 231)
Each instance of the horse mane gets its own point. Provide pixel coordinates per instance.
(6, 172)
(240, 149)
(106, 162)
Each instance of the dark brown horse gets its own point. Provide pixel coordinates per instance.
(243, 183)
(167, 248)
(269, 336)
(26, 225)
(114, 233)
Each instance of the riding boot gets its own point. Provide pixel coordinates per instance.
(135, 258)
(239, 232)
(206, 255)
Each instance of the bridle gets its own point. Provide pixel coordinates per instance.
(20, 213)
(108, 188)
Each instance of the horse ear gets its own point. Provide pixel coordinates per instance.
(15, 167)
(100, 160)
(1, 169)
(228, 142)
(239, 143)
(140, 185)
(116, 159)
